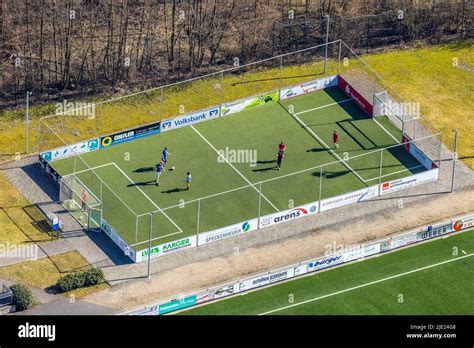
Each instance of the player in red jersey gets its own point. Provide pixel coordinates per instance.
(335, 139)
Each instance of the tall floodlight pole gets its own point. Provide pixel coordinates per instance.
(149, 244)
(327, 41)
(27, 119)
(455, 157)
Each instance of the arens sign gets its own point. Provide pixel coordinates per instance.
(289, 215)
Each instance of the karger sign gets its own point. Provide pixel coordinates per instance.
(190, 119)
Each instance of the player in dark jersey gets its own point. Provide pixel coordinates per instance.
(280, 159)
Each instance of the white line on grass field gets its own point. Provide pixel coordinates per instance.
(390, 174)
(146, 196)
(386, 131)
(327, 147)
(92, 168)
(324, 106)
(233, 167)
(366, 284)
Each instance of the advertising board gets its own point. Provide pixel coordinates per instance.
(324, 262)
(309, 87)
(265, 279)
(228, 231)
(248, 103)
(70, 150)
(189, 119)
(349, 198)
(289, 214)
(166, 248)
(409, 181)
(355, 96)
(135, 133)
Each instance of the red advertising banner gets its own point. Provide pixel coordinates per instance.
(356, 96)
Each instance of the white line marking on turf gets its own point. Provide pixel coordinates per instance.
(86, 170)
(153, 239)
(400, 171)
(152, 202)
(327, 147)
(386, 131)
(233, 167)
(324, 106)
(367, 284)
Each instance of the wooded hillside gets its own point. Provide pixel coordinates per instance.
(77, 47)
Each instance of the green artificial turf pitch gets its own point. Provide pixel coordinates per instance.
(433, 278)
(127, 168)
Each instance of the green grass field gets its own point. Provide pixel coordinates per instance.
(432, 278)
(127, 168)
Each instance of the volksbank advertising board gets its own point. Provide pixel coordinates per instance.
(190, 119)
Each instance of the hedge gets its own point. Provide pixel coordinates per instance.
(76, 280)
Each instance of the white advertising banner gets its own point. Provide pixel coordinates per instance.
(463, 223)
(349, 198)
(166, 248)
(228, 231)
(266, 279)
(359, 251)
(324, 262)
(187, 120)
(409, 181)
(308, 87)
(397, 242)
(70, 150)
(289, 214)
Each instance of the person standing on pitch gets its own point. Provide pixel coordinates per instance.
(335, 139)
(159, 170)
(280, 159)
(281, 147)
(164, 156)
(84, 199)
(188, 181)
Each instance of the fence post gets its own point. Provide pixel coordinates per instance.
(221, 93)
(440, 147)
(320, 186)
(161, 108)
(198, 221)
(149, 244)
(339, 57)
(280, 79)
(136, 228)
(380, 169)
(27, 119)
(455, 157)
(259, 203)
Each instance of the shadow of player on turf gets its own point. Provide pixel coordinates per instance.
(143, 170)
(175, 190)
(265, 169)
(143, 183)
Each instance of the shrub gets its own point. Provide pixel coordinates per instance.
(81, 279)
(22, 297)
(93, 276)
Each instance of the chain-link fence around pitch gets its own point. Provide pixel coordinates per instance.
(69, 135)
